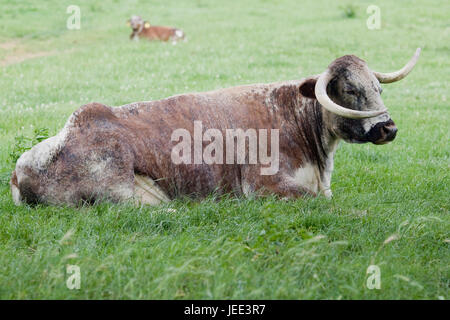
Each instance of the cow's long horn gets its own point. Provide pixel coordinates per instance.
(400, 74)
(327, 103)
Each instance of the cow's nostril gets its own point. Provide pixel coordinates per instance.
(390, 131)
(394, 130)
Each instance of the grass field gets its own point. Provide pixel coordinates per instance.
(390, 205)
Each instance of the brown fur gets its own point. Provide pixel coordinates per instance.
(156, 33)
(143, 29)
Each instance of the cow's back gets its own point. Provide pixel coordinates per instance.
(152, 124)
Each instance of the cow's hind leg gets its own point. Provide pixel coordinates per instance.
(146, 191)
(96, 162)
(111, 176)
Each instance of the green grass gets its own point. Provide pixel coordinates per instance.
(231, 248)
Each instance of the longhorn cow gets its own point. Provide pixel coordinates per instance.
(127, 153)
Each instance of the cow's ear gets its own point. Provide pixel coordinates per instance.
(307, 88)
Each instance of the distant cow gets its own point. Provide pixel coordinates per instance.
(143, 29)
(127, 153)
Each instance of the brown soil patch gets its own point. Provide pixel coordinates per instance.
(13, 52)
(12, 59)
(9, 45)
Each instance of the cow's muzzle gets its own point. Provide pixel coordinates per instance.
(382, 132)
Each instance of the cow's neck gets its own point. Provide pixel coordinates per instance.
(316, 142)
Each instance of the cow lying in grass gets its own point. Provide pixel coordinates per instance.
(143, 29)
(143, 151)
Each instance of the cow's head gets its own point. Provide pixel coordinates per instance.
(351, 94)
(137, 23)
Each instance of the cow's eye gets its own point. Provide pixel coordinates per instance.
(352, 92)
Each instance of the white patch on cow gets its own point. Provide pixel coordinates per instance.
(369, 123)
(42, 154)
(307, 177)
(16, 195)
(328, 194)
(247, 189)
(146, 191)
(179, 33)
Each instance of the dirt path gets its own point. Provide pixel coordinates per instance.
(13, 52)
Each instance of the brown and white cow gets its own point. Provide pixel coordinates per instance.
(143, 29)
(125, 153)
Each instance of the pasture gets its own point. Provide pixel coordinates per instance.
(390, 206)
